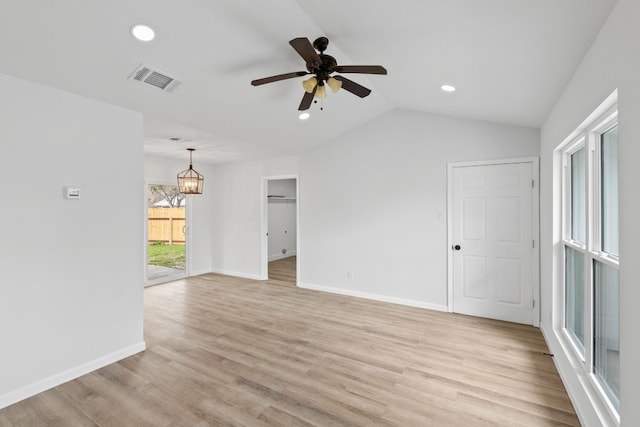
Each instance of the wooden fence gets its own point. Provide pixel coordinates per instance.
(166, 225)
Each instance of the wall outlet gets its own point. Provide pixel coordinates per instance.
(349, 274)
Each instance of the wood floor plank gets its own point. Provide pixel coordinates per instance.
(230, 351)
(283, 271)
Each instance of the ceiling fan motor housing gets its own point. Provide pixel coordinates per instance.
(321, 44)
(323, 70)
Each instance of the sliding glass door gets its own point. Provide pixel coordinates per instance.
(166, 234)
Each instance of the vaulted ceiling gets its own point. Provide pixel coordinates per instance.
(509, 61)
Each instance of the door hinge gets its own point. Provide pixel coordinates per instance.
(533, 304)
(533, 183)
(533, 243)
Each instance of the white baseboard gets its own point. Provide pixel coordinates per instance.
(375, 297)
(236, 274)
(68, 375)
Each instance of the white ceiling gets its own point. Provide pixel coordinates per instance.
(509, 59)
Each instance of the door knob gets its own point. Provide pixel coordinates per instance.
(456, 247)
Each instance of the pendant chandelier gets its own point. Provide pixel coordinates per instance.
(190, 181)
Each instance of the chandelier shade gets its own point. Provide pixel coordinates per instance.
(190, 181)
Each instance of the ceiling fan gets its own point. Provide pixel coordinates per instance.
(322, 66)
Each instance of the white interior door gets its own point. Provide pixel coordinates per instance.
(493, 241)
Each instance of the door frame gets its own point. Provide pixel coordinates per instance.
(264, 224)
(187, 246)
(535, 169)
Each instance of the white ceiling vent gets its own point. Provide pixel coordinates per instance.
(145, 74)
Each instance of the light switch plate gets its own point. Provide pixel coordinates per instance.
(71, 192)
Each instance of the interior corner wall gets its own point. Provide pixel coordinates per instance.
(612, 62)
(71, 276)
(373, 203)
(160, 170)
(237, 213)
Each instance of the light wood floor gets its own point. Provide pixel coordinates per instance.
(283, 271)
(236, 352)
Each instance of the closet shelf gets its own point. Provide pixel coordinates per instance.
(276, 197)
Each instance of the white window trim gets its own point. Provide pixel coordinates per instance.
(587, 135)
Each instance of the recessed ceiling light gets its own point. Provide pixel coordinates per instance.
(143, 33)
(448, 88)
(304, 116)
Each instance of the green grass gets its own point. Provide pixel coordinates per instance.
(166, 255)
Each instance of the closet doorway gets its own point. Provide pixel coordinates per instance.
(280, 229)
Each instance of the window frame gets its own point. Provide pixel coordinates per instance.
(590, 137)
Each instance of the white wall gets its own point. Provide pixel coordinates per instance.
(237, 214)
(282, 218)
(612, 62)
(159, 170)
(70, 275)
(373, 203)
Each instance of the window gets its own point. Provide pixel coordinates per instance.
(590, 256)
(606, 358)
(574, 297)
(575, 245)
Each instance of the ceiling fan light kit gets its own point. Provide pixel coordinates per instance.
(309, 84)
(321, 91)
(322, 66)
(334, 84)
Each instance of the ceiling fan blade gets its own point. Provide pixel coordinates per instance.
(363, 69)
(353, 87)
(305, 49)
(279, 77)
(307, 99)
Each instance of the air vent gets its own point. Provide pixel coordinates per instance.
(145, 74)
